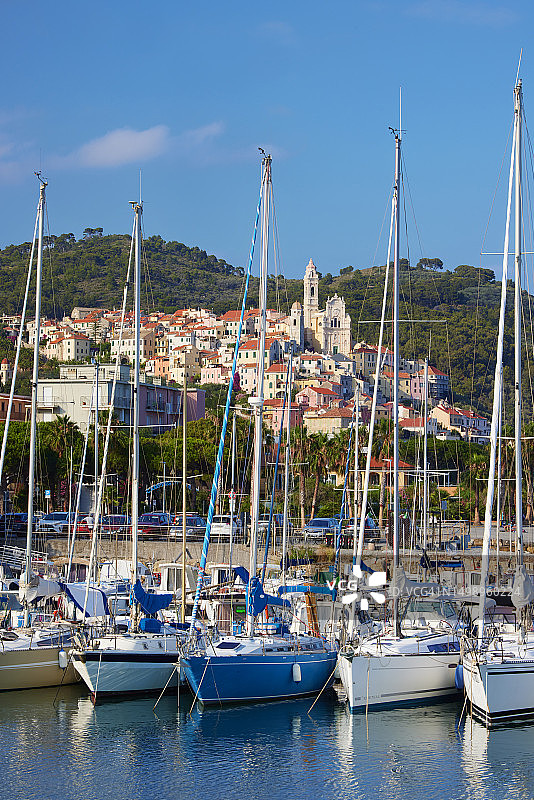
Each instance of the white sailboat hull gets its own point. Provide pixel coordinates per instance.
(128, 665)
(372, 680)
(500, 690)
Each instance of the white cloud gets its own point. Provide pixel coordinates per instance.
(119, 147)
(127, 146)
(197, 137)
(463, 12)
(200, 146)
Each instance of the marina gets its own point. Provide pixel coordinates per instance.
(64, 746)
(267, 508)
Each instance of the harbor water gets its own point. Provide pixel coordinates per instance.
(64, 747)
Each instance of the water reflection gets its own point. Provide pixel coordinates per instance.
(122, 750)
(498, 758)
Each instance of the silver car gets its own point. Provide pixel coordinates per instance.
(319, 527)
(56, 522)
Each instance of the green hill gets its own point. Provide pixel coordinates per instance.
(460, 307)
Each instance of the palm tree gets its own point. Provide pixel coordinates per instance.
(56, 438)
(300, 449)
(59, 434)
(478, 470)
(318, 461)
(336, 452)
(381, 447)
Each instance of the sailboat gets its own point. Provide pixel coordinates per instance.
(142, 659)
(498, 669)
(256, 665)
(35, 656)
(395, 667)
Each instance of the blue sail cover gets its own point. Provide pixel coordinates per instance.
(242, 573)
(258, 600)
(150, 603)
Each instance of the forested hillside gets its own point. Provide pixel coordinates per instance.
(459, 307)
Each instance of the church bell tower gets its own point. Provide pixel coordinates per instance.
(311, 292)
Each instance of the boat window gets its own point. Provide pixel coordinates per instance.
(227, 645)
(448, 610)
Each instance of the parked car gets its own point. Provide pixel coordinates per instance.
(276, 526)
(221, 525)
(157, 523)
(109, 523)
(56, 522)
(13, 522)
(320, 527)
(195, 526)
(116, 523)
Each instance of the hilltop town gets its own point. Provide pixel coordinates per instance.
(197, 345)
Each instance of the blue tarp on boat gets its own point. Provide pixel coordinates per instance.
(97, 603)
(242, 573)
(150, 603)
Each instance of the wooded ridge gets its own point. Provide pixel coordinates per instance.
(461, 305)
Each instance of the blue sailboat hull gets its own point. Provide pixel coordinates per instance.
(256, 677)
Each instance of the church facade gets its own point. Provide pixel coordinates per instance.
(326, 331)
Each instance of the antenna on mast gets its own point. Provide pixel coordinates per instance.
(519, 66)
(400, 111)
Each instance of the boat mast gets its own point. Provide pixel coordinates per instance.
(184, 487)
(35, 377)
(257, 401)
(286, 469)
(497, 406)
(356, 459)
(518, 96)
(96, 439)
(138, 210)
(232, 498)
(425, 457)
(396, 509)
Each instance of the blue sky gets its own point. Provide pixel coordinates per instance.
(186, 92)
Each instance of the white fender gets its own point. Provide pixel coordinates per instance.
(297, 674)
(63, 659)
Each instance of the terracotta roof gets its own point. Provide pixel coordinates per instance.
(320, 390)
(231, 316)
(332, 413)
(278, 366)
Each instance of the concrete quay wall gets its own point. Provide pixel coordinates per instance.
(155, 552)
